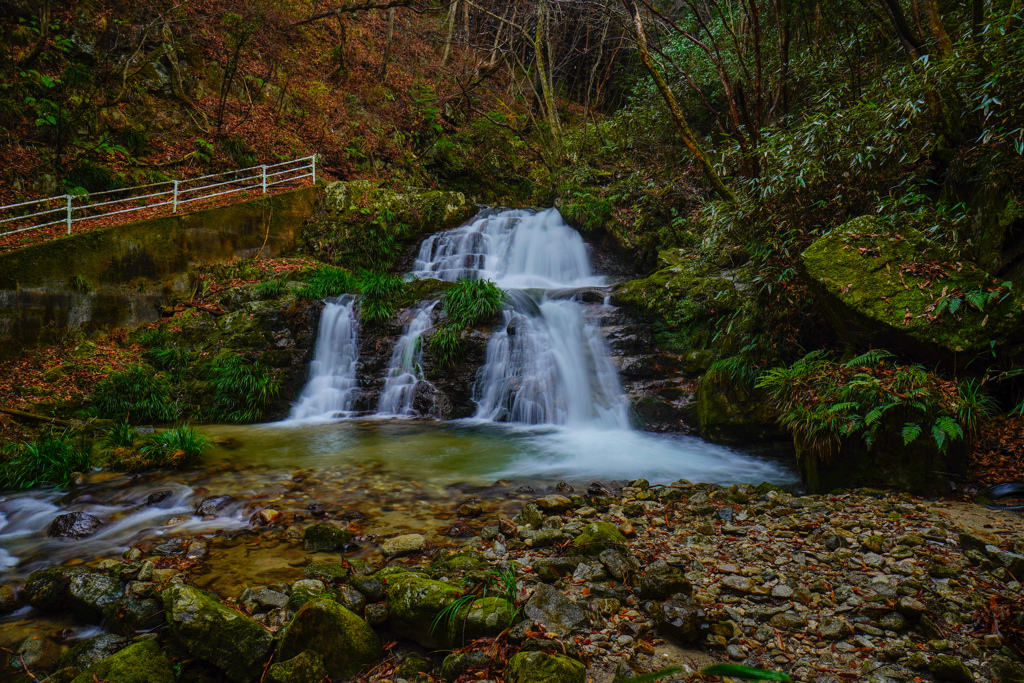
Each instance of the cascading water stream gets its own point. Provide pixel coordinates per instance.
(404, 371)
(548, 364)
(332, 386)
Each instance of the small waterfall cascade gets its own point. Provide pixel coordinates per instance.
(404, 371)
(332, 386)
(548, 364)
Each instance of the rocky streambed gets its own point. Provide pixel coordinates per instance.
(507, 583)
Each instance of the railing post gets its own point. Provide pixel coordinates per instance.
(174, 202)
(264, 167)
(69, 212)
(314, 169)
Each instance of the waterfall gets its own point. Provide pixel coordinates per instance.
(548, 364)
(404, 371)
(332, 384)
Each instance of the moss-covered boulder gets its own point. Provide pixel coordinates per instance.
(207, 629)
(597, 537)
(84, 654)
(346, 643)
(887, 287)
(484, 618)
(325, 537)
(306, 667)
(328, 572)
(47, 589)
(733, 414)
(414, 603)
(142, 662)
(541, 667)
(90, 593)
(459, 562)
(359, 224)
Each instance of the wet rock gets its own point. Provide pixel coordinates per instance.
(130, 614)
(893, 621)
(507, 527)
(89, 594)
(269, 599)
(459, 562)
(679, 620)
(73, 526)
(911, 608)
(170, 548)
(351, 599)
(545, 538)
(950, 668)
(37, 652)
(370, 586)
(324, 537)
(65, 675)
(408, 544)
(661, 581)
(541, 667)
(484, 618)
(413, 665)
(376, 613)
(154, 499)
(414, 603)
(556, 612)
(328, 572)
(305, 667)
(834, 628)
(8, 600)
(47, 589)
(788, 621)
(470, 510)
(530, 514)
(1005, 670)
(618, 563)
(92, 650)
(737, 584)
(230, 641)
(597, 537)
(553, 505)
(459, 663)
(142, 662)
(212, 505)
(347, 643)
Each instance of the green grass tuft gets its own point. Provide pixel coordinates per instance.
(50, 460)
(242, 391)
(135, 394)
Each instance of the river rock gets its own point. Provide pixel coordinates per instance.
(351, 599)
(212, 505)
(370, 586)
(458, 663)
(38, 652)
(234, 643)
(661, 580)
(833, 628)
(305, 667)
(47, 589)
(541, 667)
(142, 662)
(556, 612)
(407, 544)
(414, 602)
(130, 614)
(92, 650)
(89, 594)
(154, 499)
(949, 668)
(553, 505)
(8, 600)
(327, 572)
(74, 525)
(484, 618)
(324, 537)
(680, 620)
(346, 643)
(1006, 670)
(597, 537)
(530, 514)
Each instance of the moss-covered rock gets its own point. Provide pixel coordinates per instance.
(884, 287)
(328, 572)
(459, 562)
(47, 589)
(142, 662)
(414, 603)
(484, 618)
(597, 537)
(346, 643)
(325, 537)
(733, 414)
(361, 225)
(92, 650)
(231, 641)
(541, 667)
(306, 667)
(90, 593)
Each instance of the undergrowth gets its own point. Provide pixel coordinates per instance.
(241, 391)
(135, 394)
(49, 460)
(178, 447)
(467, 304)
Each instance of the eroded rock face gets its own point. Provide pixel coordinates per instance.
(230, 641)
(345, 642)
(74, 525)
(883, 286)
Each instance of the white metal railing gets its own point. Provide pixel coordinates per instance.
(69, 209)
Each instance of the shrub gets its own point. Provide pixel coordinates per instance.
(135, 394)
(242, 391)
(172, 358)
(380, 291)
(446, 345)
(153, 338)
(50, 460)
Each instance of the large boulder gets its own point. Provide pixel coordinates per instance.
(887, 287)
(729, 413)
(358, 224)
(142, 662)
(207, 629)
(414, 603)
(47, 589)
(90, 593)
(541, 667)
(346, 643)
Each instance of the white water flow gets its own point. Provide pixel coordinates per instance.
(332, 385)
(548, 364)
(404, 371)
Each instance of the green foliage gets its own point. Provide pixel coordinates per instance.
(173, 359)
(242, 391)
(376, 311)
(273, 289)
(49, 460)
(471, 302)
(733, 371)
(119, 435)
(380, 291)
(446, 345)
(135, 394)
(327, 281)
(154, 337)
(823, 402)
(179, 447)
(744, 672)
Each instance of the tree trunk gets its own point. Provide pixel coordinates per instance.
(387, 45)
